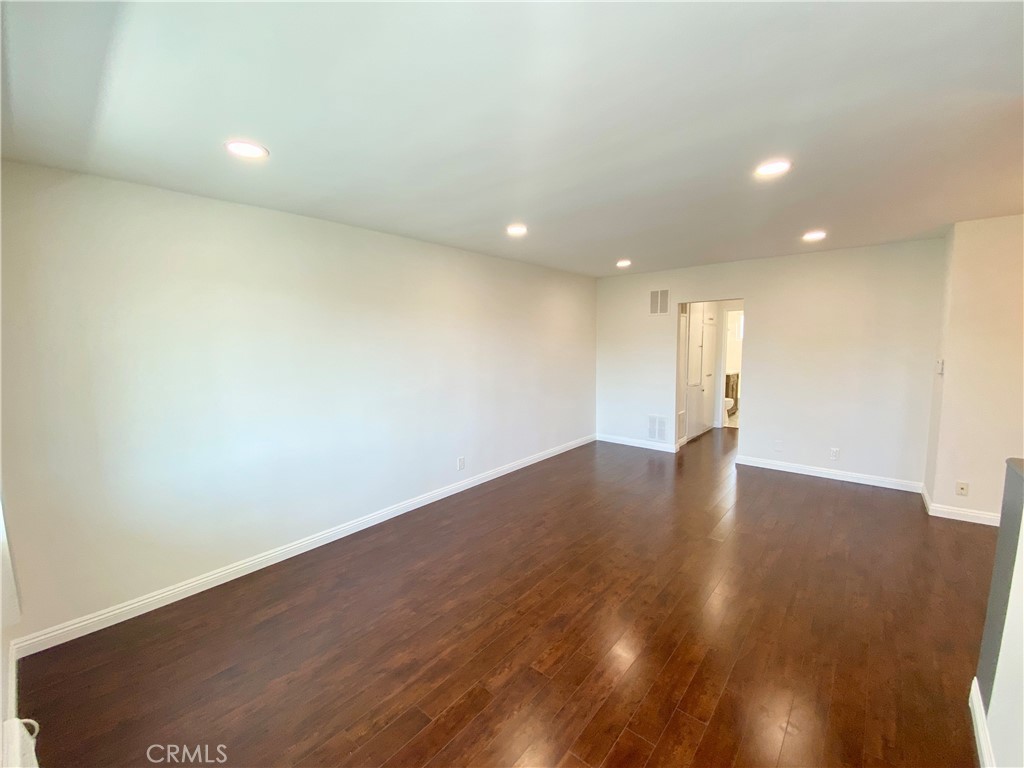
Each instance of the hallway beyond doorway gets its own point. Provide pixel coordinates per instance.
(708, 350)
(732, 360)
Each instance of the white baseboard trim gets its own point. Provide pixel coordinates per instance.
(69, 630)
(654, 445)
(986, 758)
(958, 513)
(832, 474)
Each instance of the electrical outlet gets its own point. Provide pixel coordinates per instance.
(778, 446)
(460, 463)
(833, 453)
(962, 488)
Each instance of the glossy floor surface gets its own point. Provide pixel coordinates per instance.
(611, 606)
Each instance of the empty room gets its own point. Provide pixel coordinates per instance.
(557, 385)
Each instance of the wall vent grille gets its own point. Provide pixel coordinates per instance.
(659, 302)
(657, 428)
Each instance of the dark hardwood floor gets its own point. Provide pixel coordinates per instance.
(611, 606)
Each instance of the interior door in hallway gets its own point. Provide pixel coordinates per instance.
(709, 363)
(696, 420)
(682, 343)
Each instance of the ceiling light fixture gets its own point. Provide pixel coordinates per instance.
(814, 235)
(246, 149)
(769, 169)
(516, 230)
(623, 263)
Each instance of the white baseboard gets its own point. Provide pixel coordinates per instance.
(986, 758)
(654, 445)
(832, 474)
(959, 513)
(69, 630)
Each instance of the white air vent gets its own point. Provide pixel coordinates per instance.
(659, 302)
(657, 428)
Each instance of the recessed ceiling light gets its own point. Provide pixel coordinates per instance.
(246, 149)
(814, 235)
(769, 169)
(516, 230)
(623, 263)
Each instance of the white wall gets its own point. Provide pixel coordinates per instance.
(10, 610)
(1006, 707)
(838, 352)
(189, 382)
(935, 412)
(978, 419)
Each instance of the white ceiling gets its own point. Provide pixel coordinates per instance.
(613, 130)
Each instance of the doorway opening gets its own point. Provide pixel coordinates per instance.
(709, 356)
(733, 360)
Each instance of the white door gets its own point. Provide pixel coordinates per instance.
(709, 361)
(696, 421)
(682, 345)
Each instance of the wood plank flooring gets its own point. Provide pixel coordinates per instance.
(611, 606)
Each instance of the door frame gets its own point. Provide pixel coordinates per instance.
(682, 360)
(681, 412)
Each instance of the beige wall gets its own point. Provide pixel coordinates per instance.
(978, 414)
(188, 382)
